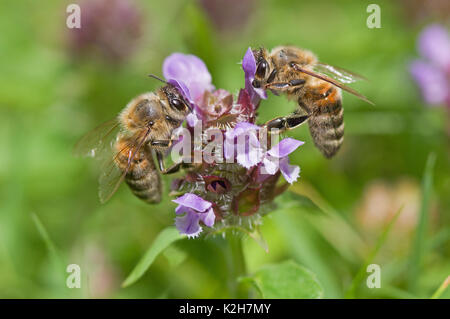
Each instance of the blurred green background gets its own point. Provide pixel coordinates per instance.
(55, 87)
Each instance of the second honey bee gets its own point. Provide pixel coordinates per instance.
(125, 144)
(316, 88)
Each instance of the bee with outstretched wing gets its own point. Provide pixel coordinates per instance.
(124, 146)
(316, 88)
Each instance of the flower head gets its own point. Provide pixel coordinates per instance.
(238, 188)
(432, 74)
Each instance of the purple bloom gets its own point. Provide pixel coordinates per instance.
(247, 181)
(433, 75)
(249, 67)
(229, 15)
(110, 28)
(277, 159)
(243, 139)
(195, 209)
(191, 71)
(241, 142)
(434, 44)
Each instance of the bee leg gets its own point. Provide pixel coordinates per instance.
(162, 143)
(286, 123)
(171, 169)
(284, 85)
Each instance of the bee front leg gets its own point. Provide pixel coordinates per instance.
(286, 123)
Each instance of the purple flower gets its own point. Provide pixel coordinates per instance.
(277, 159)
(433, 74)
(249, 67)
(229, 15)
(189, 70)
(434, 44)
(195, 210)
(241, 142)
(243, 185)
(109, 28)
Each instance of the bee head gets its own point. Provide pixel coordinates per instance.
(264, 71)
(176, 100)
(174, 96)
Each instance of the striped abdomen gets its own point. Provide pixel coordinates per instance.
(142, 176)
(326, 121)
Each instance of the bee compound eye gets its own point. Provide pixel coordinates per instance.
(256, 84)
(177, 104)
(262, 68)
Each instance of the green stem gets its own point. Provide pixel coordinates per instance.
(441, 289)
(238, 268)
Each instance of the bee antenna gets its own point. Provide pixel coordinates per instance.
(157, 78)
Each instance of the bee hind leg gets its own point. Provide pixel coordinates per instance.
(286, 123)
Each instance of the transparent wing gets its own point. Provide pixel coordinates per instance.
(99, 141)
(111, 176)
(334, 82)
(339, 74)
(106, 144)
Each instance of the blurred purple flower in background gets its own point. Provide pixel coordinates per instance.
(109, 28)
(228, 15)
(418, 11)
(432, 73)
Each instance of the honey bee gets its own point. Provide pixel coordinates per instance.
(125, 144)
(316, 88)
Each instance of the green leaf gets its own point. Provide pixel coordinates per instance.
(294, 199)
(164, 239)
(286, 280)
(380, 242)
(53, 251)
(442, 288)
(419, 245)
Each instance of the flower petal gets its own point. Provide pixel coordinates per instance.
(270, 165)
(229, 148)
(184, 90)
(285, 147)
(189, 224)
(208, 217)
(193, 201)
(249, 64)
(241, 128)
(248, 155)
(192, 119)
(432, 82)
(434, 44)
(249, 67)
(249, 151)
(290, 172)
(190, 70)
